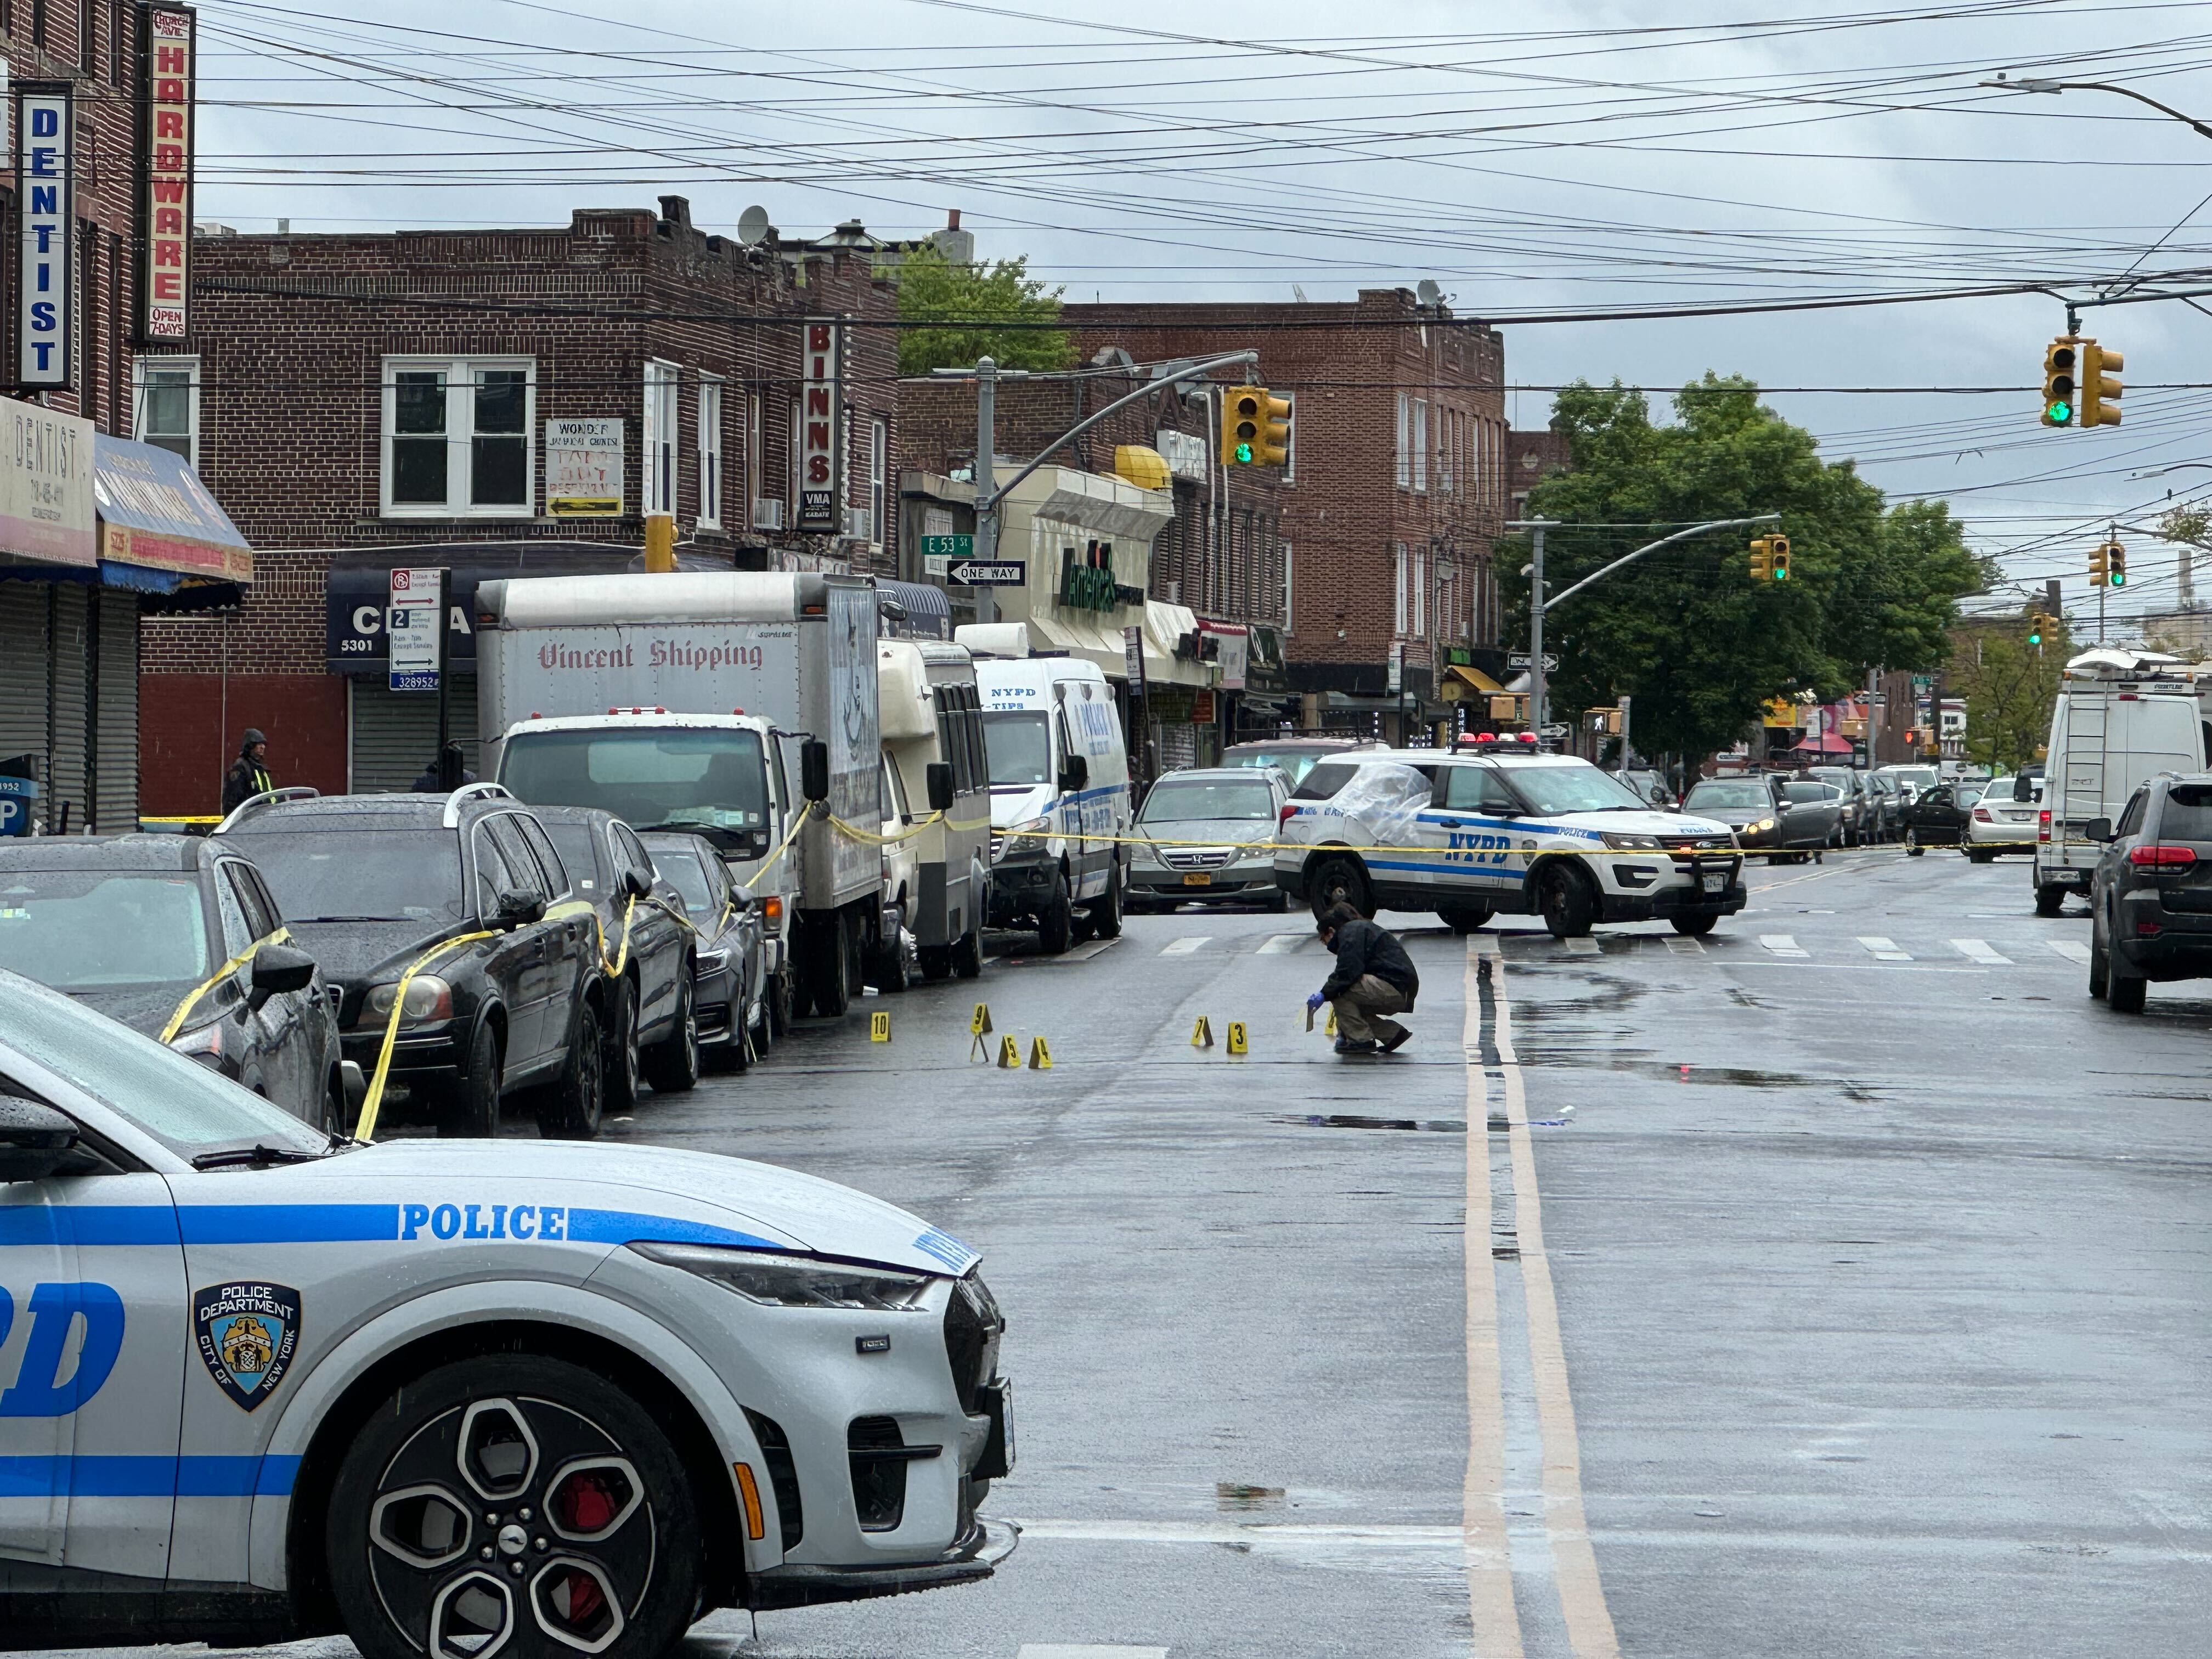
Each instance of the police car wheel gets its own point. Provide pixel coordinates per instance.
(573, 1107)
(1106, 912)
(513, 1503)
(1339, 881)
(1695, 927)
(1568, 901)
(1465, 918)
(1056, 920)
(671, 1064)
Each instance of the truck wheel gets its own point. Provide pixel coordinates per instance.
(1465, 918)
(469, 1108)
(671, 1064)
(968, 953)
(2049, 901)
(1056, 920)
(573, 1108)
(1339, 880)
(1568, 901)
(619, 1066)
(1106, 912)
(514, 1503)
(887, 970)
(782, 1000)
(829, 970)
(936, 963)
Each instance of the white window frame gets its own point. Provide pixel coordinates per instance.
(1420, 445)
(713, 484)
(879, 437)
(1398, 589)
(1405, 442)
(141, 368)
(662, 472)
(1289, 586)
(460, 429)
(1420, 593)
(1446, 438)
(756, 458)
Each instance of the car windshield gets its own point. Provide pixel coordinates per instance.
(1174, 800)
(92, 930)
(1583, 789)
(1020, 748)
(180, 1102)
(684, 871)
(361, 875)
(1920, 777)
(1728, 797)
(647, 776)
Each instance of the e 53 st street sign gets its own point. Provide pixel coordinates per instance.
(1006, 572)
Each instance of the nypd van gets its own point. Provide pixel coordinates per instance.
(1501, 830)
(449, 1397)
(1060, 775)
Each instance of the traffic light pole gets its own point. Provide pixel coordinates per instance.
(1539, 604)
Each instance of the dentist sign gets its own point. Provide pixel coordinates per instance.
(45, 182)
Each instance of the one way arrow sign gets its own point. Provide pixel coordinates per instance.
(1007, 573)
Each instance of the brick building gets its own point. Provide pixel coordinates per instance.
(1394, 494)
(498, 402)
(1532, 457)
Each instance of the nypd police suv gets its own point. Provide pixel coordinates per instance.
(454, 1399)
(1500, 828)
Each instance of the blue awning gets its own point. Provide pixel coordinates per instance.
(156, 515)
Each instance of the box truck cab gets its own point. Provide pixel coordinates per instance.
(937, 878)
(2121, 718)
(1059, 783)
(728, 702)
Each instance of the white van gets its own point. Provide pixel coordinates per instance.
(1060, 775)
(2120, 719)
(938, 881)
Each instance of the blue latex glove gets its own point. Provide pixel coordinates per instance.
(1314, 1002)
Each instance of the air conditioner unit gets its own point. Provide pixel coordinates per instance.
(768, 513)
(860, 524)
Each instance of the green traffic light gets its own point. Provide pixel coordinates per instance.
(2059, 413)
(2035, 638)
(2118, 579)
(1242, 454)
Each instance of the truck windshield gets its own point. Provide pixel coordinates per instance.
(651, 778)
(1020, 748)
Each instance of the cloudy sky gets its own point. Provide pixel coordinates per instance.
(1559, 157)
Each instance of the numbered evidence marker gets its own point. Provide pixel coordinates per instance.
(1010, 1053)
(879, 1027)
(977, 1029)
(1202, 1035)
(1236, 1044)
(1039, 1055)
(1328, 1028)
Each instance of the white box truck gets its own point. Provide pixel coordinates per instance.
(933, 753)
(721, 703)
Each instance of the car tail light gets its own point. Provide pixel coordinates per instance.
(1285, 815)
(2043, 826)
(2161, 856)
(1982, 815)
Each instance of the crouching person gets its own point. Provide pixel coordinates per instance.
(1374, 979)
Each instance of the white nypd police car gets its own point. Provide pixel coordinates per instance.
(455, 1399)
(1497, 828)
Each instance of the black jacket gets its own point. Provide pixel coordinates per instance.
(243, 782)
(1363, 948)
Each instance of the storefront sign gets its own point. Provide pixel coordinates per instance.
(584, 468)
(45, 186)
(1231, 651)
(165, 203)
(45, 486)
(416, 638)
(155, 512)
(1087, 582)
(1184, 451)
(820, 425)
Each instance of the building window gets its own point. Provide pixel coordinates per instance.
(754, 477)
(1420, 443)
(1289, 586)
(794, 442)
(879, 475)
(1398, 588)
(660, 384)
(457, 435)
(1405, 442)
(166, 413)
(710, 452)
(1447, 443)
(1420, 593)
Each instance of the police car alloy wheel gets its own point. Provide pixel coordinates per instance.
(513, 1507)
(1338, 881)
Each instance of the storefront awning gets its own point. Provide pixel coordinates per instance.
(1473, 677)
(1164, 624)
(156, 515)
(1064, 632)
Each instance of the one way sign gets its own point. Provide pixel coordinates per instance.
(1006, 572)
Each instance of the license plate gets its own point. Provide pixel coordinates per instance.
(1199, 878)
(1716, 883)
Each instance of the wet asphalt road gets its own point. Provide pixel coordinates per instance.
(1881, 1260)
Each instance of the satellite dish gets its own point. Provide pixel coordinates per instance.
(1428, 292)
(752, 225)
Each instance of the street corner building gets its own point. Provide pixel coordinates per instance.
(99, 531)
(497, 404)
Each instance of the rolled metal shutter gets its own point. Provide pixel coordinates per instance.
(23, 670)
(117, 760)
(395, 733)
(69, 686)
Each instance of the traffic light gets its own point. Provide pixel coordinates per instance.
(1762, 558)
(2099, 568)
(1256, 428)
(2059, 360)
(2040, 626)
(2115, 560)
(1779, 551)
(2097, 390)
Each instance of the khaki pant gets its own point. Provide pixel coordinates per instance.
(1361, 1012)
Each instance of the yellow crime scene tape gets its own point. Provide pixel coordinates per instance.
(366, 1129)
(186, 1008)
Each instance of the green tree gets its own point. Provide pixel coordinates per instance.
(1688, 631)
(968, 310)
(2010, 688)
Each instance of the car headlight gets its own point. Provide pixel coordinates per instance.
(1760, 827)
(713, 962)
(1029, 835)
(1622, 838)
(429, 997)
(776, 1280)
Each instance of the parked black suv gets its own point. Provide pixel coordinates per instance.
(138, 925)
(652, 1028)
(2150, 896)
(371, 883)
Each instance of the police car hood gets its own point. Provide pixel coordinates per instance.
(658, 1193)
(1671, 826)
(1012, 806)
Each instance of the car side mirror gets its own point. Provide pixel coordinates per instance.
(518, 907)
(278, 969)
(34, 1140)
(636, 883)
(741, 900)
(1074, 773)
(814, 769)
(2098, 830)
(938, 775)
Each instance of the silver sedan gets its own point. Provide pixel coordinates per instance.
(1206, 833)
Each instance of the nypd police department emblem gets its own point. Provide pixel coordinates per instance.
(246, 1334)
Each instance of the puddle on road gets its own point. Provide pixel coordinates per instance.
(1229, 1496)
(1344, 1120)
(1728, 1077)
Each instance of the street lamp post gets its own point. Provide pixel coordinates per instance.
(2031, 85)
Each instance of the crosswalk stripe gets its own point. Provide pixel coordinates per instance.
(1981, 950)
(1186, 946)
(1781, 944)
(2072, 950)
(1581, 947)
(1276, 944)
(1684, 946)
(1884, 949)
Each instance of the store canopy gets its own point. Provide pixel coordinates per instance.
(156, 515)
(1826, 744)
(1473, 677)
(1164, 624)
